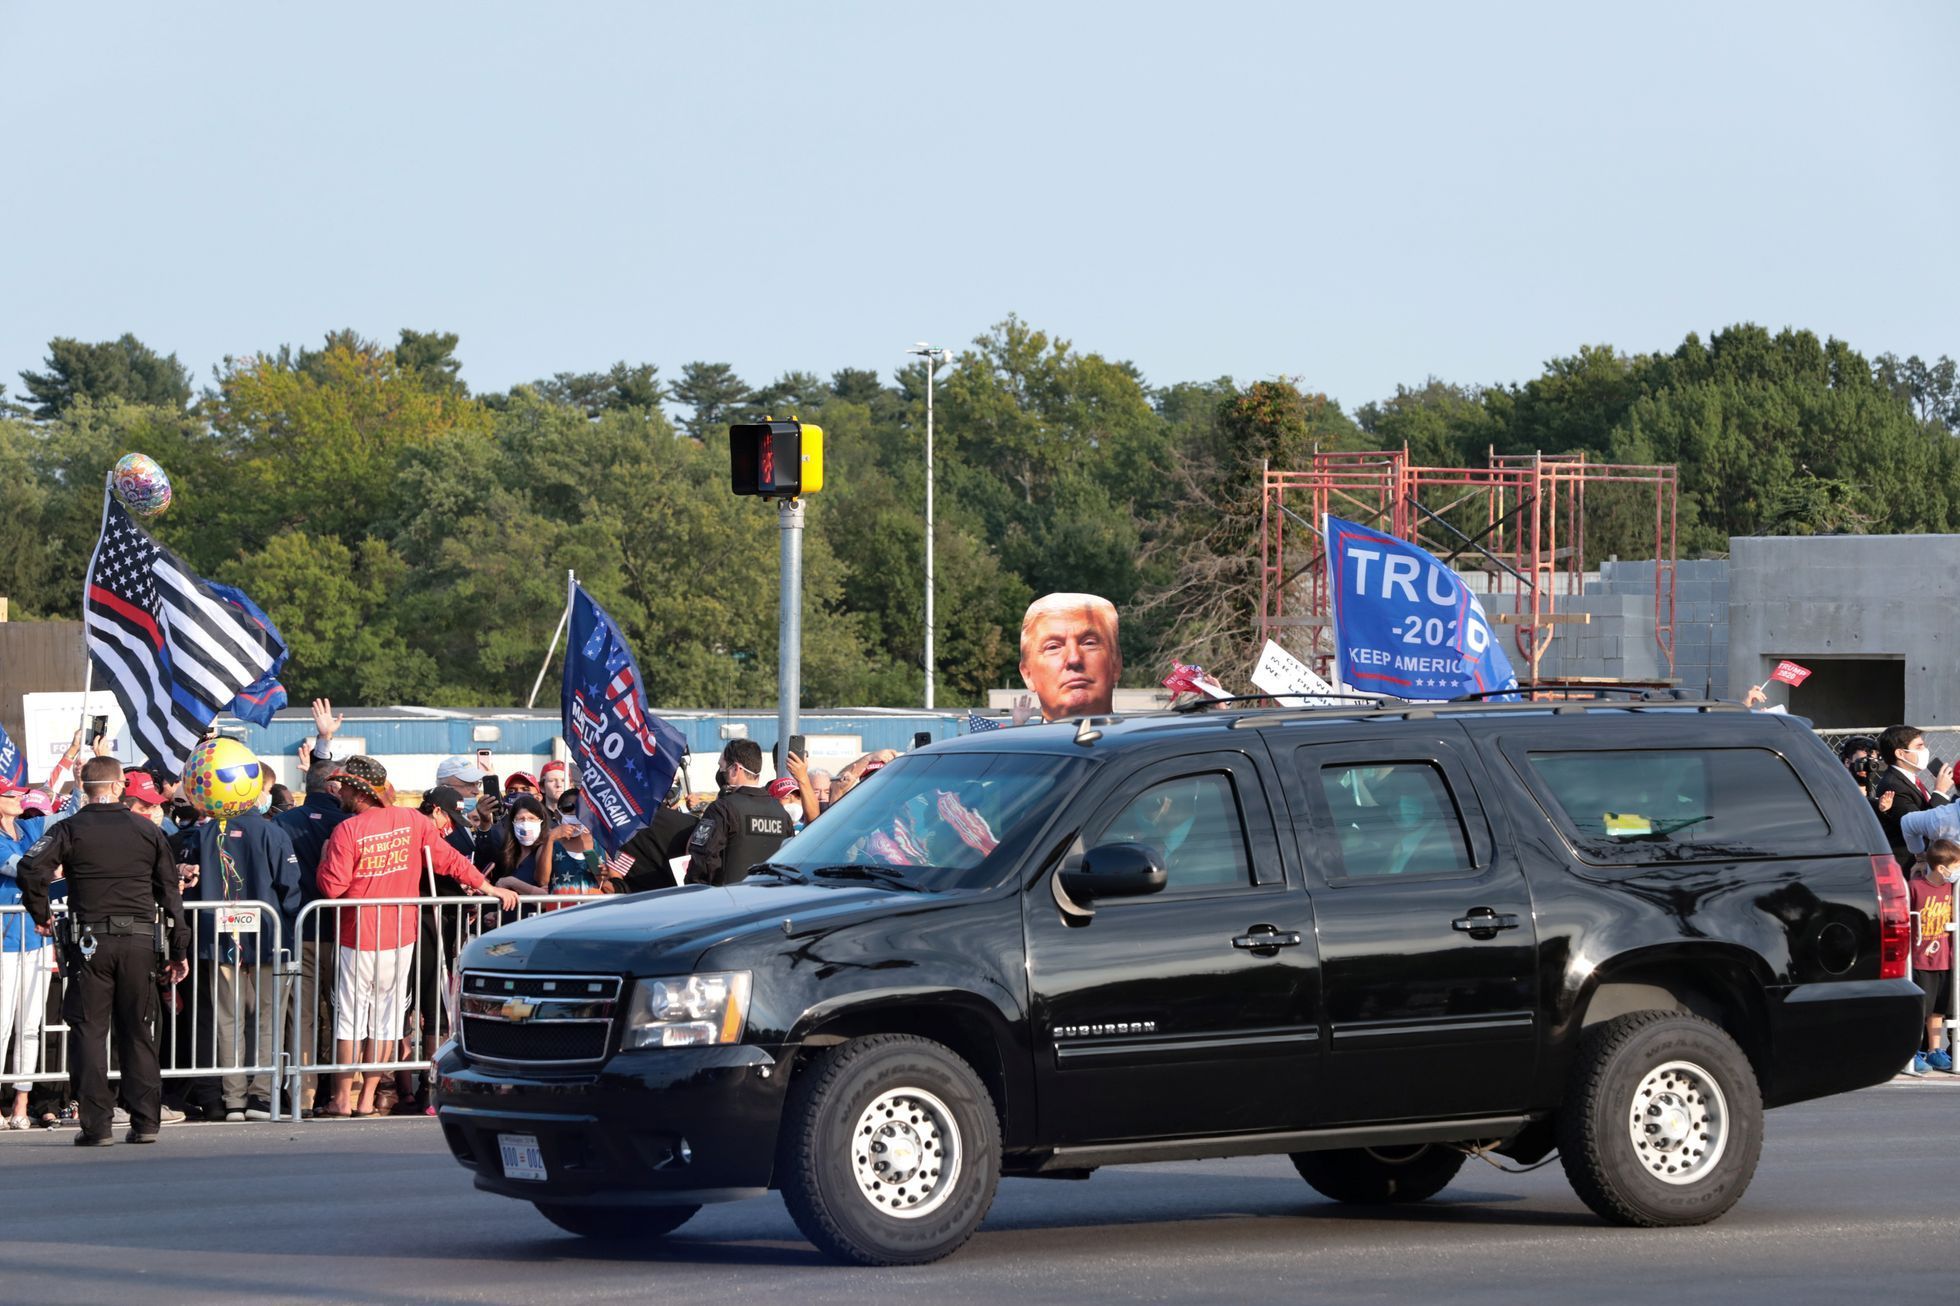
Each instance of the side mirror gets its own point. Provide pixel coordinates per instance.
(1115, 870)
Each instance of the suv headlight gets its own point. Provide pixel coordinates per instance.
(686, 1011)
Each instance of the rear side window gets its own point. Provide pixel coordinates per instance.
(1396, 818)
(1667, 805)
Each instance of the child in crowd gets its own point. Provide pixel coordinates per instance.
(1932, 949)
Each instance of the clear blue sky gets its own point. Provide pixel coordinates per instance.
(1357, 194)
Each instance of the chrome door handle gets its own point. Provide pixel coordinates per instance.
(1267, 939)
(1483, 923)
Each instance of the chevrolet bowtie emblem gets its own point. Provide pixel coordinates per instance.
(517, 1009)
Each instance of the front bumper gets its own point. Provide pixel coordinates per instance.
(660, 1126)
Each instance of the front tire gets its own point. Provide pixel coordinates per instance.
(1662, 1122)
(1379, 1176)
(891, 1151)
(617, 1224)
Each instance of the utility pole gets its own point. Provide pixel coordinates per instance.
(935, 359)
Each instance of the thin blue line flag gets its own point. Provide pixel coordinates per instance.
(1405, 624)
(626, 756)
(260, 699)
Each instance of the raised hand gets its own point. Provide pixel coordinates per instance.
(1023, 709)
(326, 722)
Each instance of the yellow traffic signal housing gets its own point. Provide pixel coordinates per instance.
(775, 460)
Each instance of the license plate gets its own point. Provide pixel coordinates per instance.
(522, 1157)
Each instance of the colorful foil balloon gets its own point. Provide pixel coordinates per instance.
(141, 484)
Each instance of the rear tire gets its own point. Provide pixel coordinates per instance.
(1662, 1122)
(890, 1151)
(617, 1224)
(1379, 1176)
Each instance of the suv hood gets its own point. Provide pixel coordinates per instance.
(666, 931)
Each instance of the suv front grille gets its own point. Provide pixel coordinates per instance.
(547, 1020)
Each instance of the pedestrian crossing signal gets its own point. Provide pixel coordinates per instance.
(776, 460)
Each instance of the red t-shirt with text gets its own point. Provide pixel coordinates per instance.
(1932, 946)
(381, 853)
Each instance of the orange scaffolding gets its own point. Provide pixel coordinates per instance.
(1521, 520)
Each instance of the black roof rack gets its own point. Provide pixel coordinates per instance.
(1658, 691)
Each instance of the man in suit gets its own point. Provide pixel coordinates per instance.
(1901, 788)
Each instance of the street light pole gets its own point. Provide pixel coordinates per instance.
(934, 358)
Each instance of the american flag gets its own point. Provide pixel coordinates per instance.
(975, 723)
(175, 653)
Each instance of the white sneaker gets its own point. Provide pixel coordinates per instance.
(234, 1114)
(17, 1122)
(122, 1116)
(171, 1115)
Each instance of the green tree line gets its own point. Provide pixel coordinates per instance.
(411, 538)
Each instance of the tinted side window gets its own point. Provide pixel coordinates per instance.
(1193, 822)
(1634, 806)
(1395, 818)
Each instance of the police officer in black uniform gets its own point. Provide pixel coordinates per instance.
(741, 827)
(114, 944)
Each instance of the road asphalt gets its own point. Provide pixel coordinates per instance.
(1854, 1199)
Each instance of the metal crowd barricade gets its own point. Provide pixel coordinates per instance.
(372, 981)
(222, 1022)
(1952, 1013)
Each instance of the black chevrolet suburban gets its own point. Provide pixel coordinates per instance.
(1378, 938)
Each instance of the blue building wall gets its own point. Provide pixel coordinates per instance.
(526, 737)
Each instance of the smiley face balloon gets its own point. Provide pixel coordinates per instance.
(222, 778)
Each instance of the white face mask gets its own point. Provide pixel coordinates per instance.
(265, 802)
(527, 832)
(795, 811)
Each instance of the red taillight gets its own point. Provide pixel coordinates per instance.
(1894, 917)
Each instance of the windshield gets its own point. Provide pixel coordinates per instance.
(939, 821)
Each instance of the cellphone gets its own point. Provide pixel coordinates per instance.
(97, 727)
(483, 759)
(491, 787)
(797, 745)
(920, 738)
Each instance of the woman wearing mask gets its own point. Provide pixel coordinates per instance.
(523, 830)
(566, 861)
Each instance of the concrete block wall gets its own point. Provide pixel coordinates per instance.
(1877, 597)
(1701, 617)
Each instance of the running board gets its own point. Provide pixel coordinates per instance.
(1482, 1128)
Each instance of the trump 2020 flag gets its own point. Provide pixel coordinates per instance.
(1405, 624)
(626, 756)
(13, 766)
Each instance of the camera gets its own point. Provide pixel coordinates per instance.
(1859, 753)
